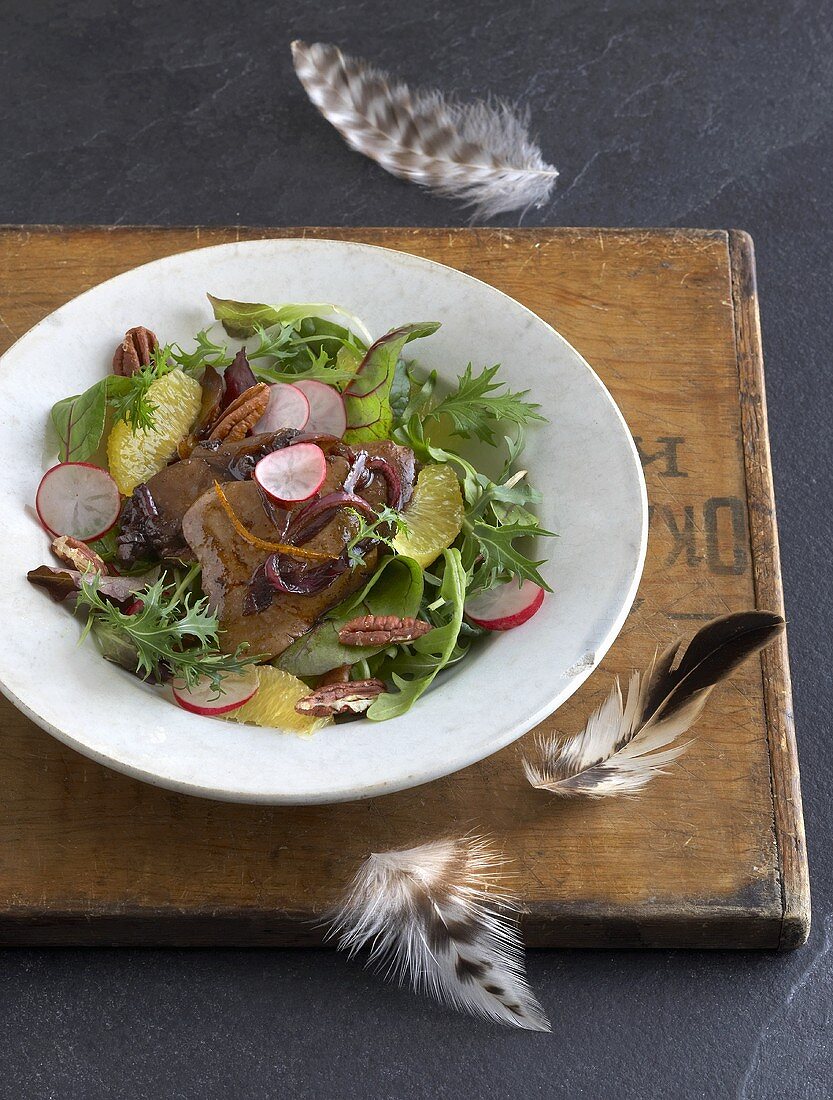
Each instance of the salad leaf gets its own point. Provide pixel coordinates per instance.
(474, 407)
(79, 422)
(394, 589)
(207, 353)
(318, 369)
(492, 551)
(400, 390)
(367, 397)
(171, 632)
(242, 318)
(438, 645)
(496, 512)
(128, 397)
(383, 529)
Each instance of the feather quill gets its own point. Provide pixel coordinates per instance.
(628, 741)
(434, 916)
(480, 153)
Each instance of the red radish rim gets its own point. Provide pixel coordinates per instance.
(514, 618)
(337, 400)
(283, 456)
(211, 711)
(300, 392)
(89, 466)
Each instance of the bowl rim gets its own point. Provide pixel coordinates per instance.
(334, 793)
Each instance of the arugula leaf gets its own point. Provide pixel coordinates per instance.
(438, 645)
(242, 318)
(79, 422)
(367, 397)
(394, 589)
(474, 407)
(496, 511)
(495, 556)
(170, 632)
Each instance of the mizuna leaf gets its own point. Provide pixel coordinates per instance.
(480, 153)
(436, 917)
(367, 396)
(626, 743)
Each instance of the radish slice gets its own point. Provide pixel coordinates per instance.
(293, 474)
(506, 606)
(327, 414)
(79, 500)
(204, 698)
(287, 408)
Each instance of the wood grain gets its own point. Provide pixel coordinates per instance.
(766, 566)
(710, 855)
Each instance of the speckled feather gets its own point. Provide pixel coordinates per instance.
(435, 916)
(626, 743)
(480, 153)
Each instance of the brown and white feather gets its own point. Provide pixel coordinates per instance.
(480, 153)
(627, 742)
(437, 916)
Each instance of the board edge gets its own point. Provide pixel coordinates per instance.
(766, 569)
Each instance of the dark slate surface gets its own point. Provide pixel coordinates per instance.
(711, 114)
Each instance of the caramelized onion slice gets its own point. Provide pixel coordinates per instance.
(308, 522)
(263, 544)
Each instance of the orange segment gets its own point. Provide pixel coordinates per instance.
(135, 456)
(274, 704)
(434, 515)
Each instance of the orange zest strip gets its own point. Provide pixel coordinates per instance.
(262, 544)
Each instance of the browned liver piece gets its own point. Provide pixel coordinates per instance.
(229, 561)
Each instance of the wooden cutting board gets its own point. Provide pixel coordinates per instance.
(711, 855)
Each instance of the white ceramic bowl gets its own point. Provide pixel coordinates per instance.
(584, 461)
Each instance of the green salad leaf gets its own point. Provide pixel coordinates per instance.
(207, 353)
(367, 397)
(437, 648)
(171, 632)
(475, 407)
(79, 422)
(241, 319)
(128, 397)
(498, 512)
(394, 589)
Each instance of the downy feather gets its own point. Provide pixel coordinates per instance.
(434, 916)
(627, 742)
(480, 153)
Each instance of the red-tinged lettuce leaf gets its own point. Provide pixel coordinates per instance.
(62, 583)
(238, 378)
(79, 422)
(367, 397)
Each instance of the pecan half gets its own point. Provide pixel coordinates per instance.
(351, 698)
(78, 555)
(381, 630)
(135, 351)
(242, 414)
